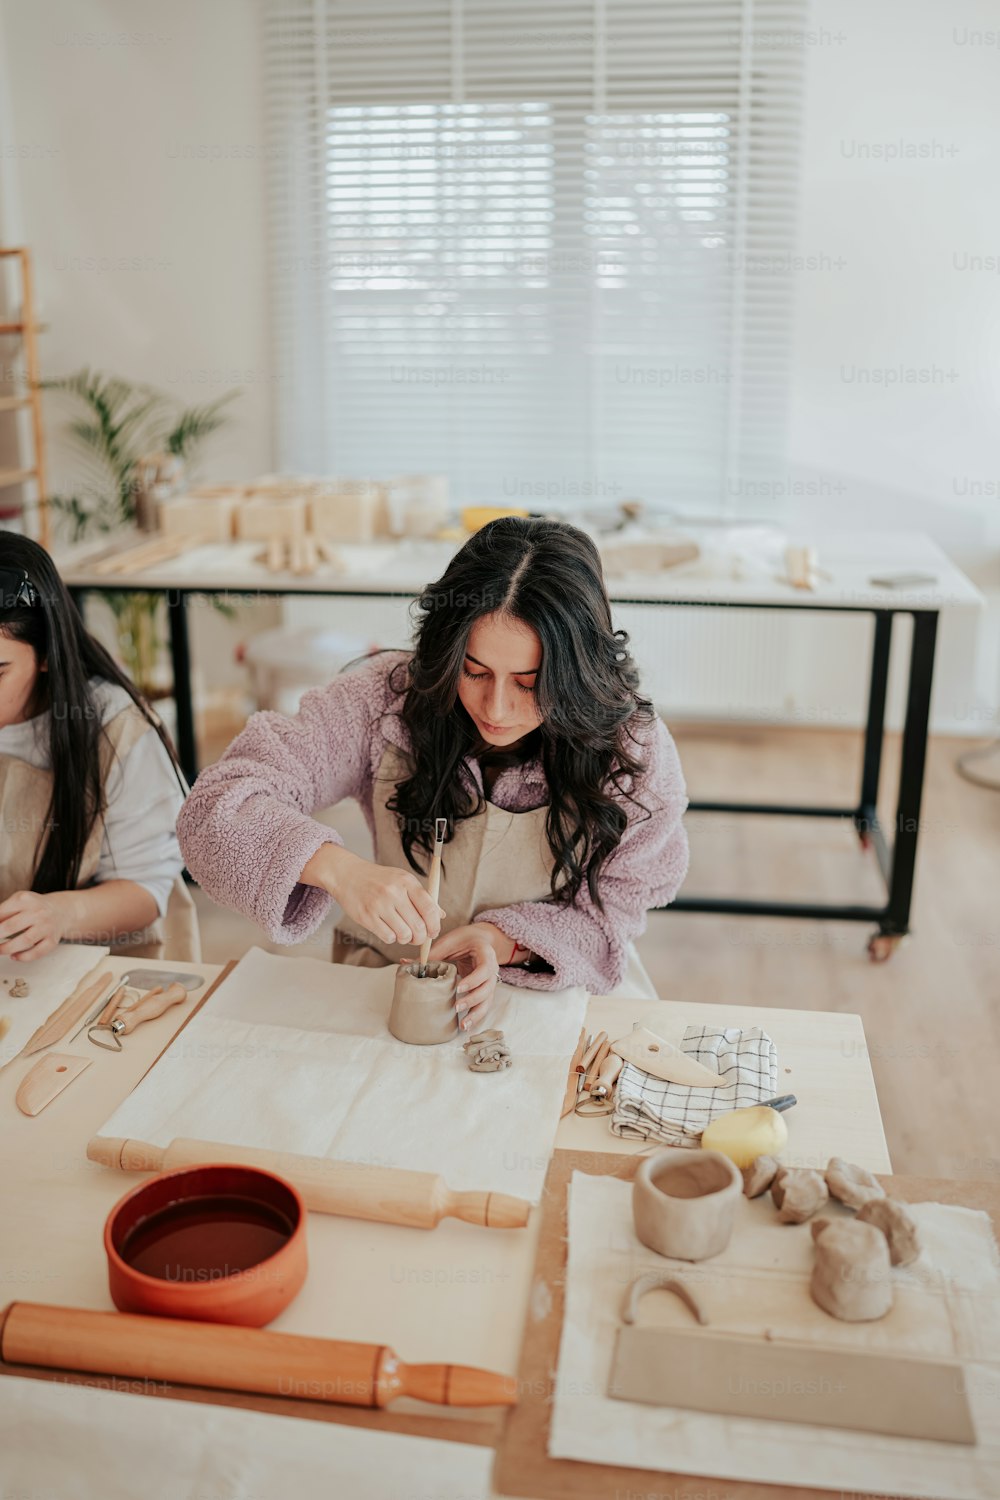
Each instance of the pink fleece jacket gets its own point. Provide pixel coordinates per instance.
(248, 829)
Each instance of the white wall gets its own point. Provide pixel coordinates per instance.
(113, 100)
(132, 166)
(894, 238)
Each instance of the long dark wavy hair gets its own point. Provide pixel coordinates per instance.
(55, 632)
(546, 574)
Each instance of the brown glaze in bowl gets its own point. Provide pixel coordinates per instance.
(219, 1243)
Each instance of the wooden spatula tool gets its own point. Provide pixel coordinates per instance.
(55, 1027)
(114, 1022)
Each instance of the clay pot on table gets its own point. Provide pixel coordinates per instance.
(423, 1010)
(684, 1202)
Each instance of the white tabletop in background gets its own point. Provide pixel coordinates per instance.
(751, 576)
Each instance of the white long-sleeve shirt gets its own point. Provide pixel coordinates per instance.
(142, 793)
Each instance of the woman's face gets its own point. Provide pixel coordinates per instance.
(20, 683)
(497, 685)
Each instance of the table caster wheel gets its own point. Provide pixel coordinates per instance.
(882, 945)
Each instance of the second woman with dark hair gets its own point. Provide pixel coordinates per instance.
(89, 785)
(518, 718)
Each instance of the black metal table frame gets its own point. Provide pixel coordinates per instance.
(897, 860)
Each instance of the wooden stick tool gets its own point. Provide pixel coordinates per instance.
(222, 1357)
(433, 885)
(55, 1027)
(386, 1195)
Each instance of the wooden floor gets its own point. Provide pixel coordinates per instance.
(931, 1014)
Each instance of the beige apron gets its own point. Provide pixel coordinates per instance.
(495, 858)
(25, 795)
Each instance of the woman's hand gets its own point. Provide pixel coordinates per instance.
(31, 925)
(389, 902)
(474, 950)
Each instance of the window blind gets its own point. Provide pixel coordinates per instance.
(541, 246)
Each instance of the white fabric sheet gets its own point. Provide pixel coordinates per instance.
(293, 1054)
(947, 1304)
(77, 1442)
(50, 980)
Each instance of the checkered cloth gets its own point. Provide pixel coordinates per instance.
(647, 1108)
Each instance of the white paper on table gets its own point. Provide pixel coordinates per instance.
(76, 1441)
(294, 1054)
(948, 1301)
(50, 980)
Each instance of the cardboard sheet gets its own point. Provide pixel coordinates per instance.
(80, 1441)
(51, 980)
(294, 1055)
(947, 1303)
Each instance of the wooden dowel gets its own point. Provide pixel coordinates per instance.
(222, 1357)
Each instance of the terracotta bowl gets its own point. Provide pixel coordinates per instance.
(219, 1243)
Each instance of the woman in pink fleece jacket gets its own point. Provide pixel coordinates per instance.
(517, 717)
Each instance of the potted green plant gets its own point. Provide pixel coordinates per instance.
(135, 445)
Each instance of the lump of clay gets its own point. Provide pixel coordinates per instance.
(897, 1225)
(851, 1277)
(759, 1175)
(854, 1186)
(798, 1192)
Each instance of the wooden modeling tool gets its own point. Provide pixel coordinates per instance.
(66, 1015)
(143, 979)
(47, 1079)
(573, 1082)
(115, 1022)
(386, 1195)
(433, 885)
(236, 1359)
(655, 1055)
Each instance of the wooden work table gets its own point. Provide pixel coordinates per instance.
(456, 1293)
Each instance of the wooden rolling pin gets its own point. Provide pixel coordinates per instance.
(236, 1359)
(389, 1195)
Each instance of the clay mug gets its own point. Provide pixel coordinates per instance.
(684, 1202)
(423, 1009)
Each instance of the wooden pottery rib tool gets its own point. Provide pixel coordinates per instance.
(116, 1022)
(433, 885)
(655, 1055)
(386, 1195)
(47, 1079)
(237, 1359)
(66, 1015)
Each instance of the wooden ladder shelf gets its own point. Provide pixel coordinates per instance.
(26, 329)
